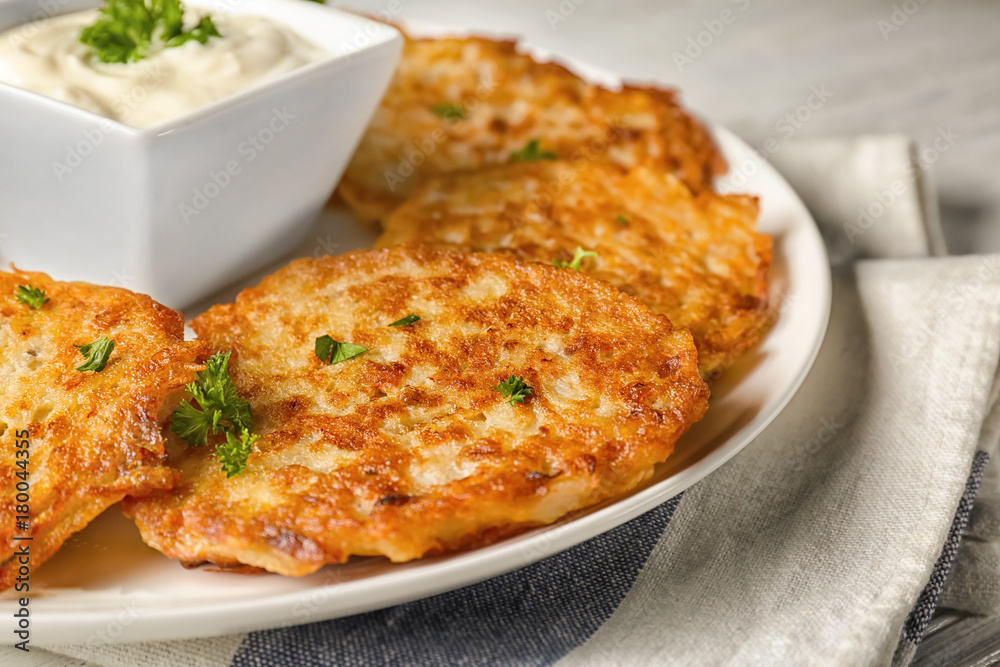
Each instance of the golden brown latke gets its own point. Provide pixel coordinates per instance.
(509, 99)
(93, 435)
(699, 260)
(408, 449)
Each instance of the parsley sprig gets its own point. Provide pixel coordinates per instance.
(514, 389)
(31, 296)
(126, 30)
(234, 452)
(533, 152)
(333, 351)
(96, 354)
(578, 256)
(219, 409)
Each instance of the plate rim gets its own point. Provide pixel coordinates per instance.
(424, 579)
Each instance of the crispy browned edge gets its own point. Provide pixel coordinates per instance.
(688, 132)
(161, 377)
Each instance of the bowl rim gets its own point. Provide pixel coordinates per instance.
(387, 37)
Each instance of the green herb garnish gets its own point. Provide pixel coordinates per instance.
(31, 296)
(126, 30)
(406, 321)
(450, 111)
(621, 219)
(578, 256)
(234, 452)
(96, 354)
(514, 389)
(333, 352)
(532, 153)
(219, 408)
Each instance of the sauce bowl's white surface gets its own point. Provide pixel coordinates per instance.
(185, 207)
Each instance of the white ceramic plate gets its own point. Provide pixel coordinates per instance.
(106, 585)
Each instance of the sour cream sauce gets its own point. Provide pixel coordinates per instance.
(167, 83)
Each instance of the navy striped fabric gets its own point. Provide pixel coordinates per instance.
(916, 622)
(532, 616)
(535, 615)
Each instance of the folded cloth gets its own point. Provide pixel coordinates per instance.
(974, 585)
(870, 195)
(826, 541)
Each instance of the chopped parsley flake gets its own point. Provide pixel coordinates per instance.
(96, 354)
(406, 321)
(234, 452)
(532, 153)
(514, 389)
(331, 351)
(31, 296)
(450, 111)
(578, 256)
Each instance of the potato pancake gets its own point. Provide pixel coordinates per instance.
(92, 435)
(458, 104)
(699, 260)
(409, 448)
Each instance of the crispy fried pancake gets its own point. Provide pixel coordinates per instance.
(509, 99)
(696, 259)
(93, 435)
(408, 449)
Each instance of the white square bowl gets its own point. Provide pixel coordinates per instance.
(183, 208)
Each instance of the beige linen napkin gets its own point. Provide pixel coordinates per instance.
(814, 545)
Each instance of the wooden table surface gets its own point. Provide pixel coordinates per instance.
(934, 69)
(915, 67)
